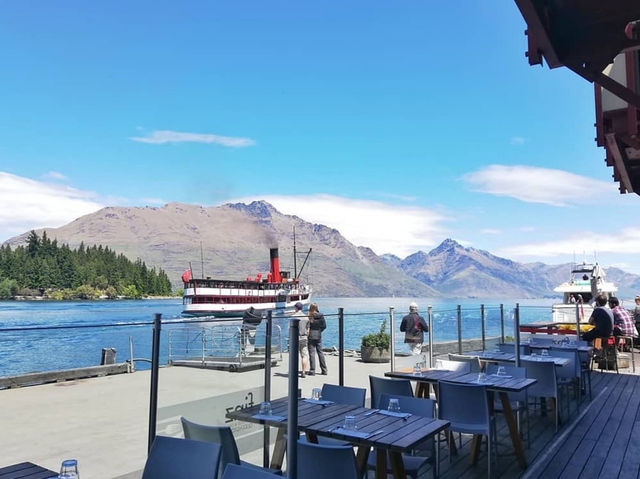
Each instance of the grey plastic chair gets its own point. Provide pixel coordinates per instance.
(233, 471)
(320, 461)
(466, 407)
(395, 387)
(474, 361)
(221, 435)
(458, 366)
(547, 384)
(569, 375)
(171, 457)
(415, 466)
(511, 347)
(519, 401)
(344, 394)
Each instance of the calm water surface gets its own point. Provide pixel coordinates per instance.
(50, 349)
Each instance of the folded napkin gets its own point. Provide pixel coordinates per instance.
(351, 432)
(318, 401)
(268, 417)
(501, 376)
(394, 413)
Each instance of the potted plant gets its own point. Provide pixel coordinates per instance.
(375, 346)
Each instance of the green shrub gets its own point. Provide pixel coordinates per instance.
(377, 340)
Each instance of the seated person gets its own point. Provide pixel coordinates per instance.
(602, 318)
(622, 322)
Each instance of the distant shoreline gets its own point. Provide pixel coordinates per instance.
(121, 298)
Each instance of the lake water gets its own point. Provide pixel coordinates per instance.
(62, 335)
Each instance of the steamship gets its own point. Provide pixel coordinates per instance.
(278, 292)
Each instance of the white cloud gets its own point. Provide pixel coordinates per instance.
(154, 201)
(538, 185)
(160, 137)
(28, 204)
(490, 231)
(626, 241)
(54, 175)
(527, 228)
(385, 228)
(517, 140)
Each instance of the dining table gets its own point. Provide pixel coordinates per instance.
(26, 470)
(388, 435)
(500, 356)
(502, 385)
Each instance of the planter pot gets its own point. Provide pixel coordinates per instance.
(372, 354)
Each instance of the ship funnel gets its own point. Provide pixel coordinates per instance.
(275, 265)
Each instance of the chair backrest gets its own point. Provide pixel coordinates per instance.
(542, 340)
(221, 435)
(514, 372)
(171, 457)
(459, 366)
(344, 394)
(570, 370)
(511, 347)
(395, 387)
(463, 405)
(416, 406)
(234, 471)
(474, 361)
(319, 461)
(545, 373)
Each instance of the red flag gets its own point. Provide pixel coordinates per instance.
(186, 276)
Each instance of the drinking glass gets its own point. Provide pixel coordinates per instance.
(534, 356)
(69, 469)
(394, 405)
(349, 422)
(544, 353)
(316, 394)
(481, 377)
(417, 369)
(500, 371)
(265, 408)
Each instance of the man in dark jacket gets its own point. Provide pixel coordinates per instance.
(251, 319)
(602, 318)
(414, 326)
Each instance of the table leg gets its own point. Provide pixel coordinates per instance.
(362, 454)
(513, 429)
(279, 448)
(422, 389)
(397, 465)
(381, 464)
(475, 448)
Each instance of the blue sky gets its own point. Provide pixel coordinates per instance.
(399, 123)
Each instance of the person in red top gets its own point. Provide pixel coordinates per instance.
(414, 326)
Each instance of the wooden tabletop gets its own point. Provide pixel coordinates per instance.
(491, 381)
(26, 470)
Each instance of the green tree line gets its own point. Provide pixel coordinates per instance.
(42, 267)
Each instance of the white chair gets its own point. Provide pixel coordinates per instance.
(547, 384)
(474, 361)
(466, 407)
(458, 366)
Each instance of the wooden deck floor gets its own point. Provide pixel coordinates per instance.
(602, 439)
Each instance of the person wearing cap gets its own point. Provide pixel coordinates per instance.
(414, 326)
(303, 342)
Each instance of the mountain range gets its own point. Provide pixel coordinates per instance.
(232, 241)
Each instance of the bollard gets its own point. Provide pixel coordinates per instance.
(267, 386)
(430, 316)
(292, 422)
(155, 364)
(341, 346)
(392, 340)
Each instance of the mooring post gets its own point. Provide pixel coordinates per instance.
(392, 339)
(430, 316)
(155, 365)
(459, 329)
(292, 422)
(267, 386)
(482, 321)
(341, 346)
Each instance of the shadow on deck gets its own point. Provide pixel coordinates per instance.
(602, 439)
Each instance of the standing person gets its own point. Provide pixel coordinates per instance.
(414, 326)
(251, 319)
(317, 324)
(303, 342)
(602, 318)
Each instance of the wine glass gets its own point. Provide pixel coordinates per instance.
(500, 371)
(394, 405)
(69, 469)
(481, 377)
(417, 369)
(544, 353)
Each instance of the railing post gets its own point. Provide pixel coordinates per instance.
(267, 386)
(502, 323)
(204, 345)
(482, 321)
(459, 329)
(578, 323)
(516, 333)
(132, 366)
(392, 340)
(430, 316)
(292, 422)
(341, 346)
(155, 364)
